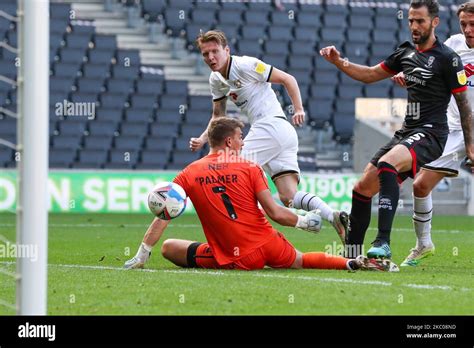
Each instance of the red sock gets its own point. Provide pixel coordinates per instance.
(324, 261)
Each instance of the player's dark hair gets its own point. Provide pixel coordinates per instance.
(211, 35)
(467, 7)
(431, 5)
(221, 128)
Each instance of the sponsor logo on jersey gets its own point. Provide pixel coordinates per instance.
(260, 68)
(237, 83)
(469, 69)
(462, 79)
(430, 62)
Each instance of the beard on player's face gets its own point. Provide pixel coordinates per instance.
(421, 36)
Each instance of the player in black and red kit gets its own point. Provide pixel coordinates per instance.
(433, 72)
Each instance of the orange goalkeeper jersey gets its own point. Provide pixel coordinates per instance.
(224, 194)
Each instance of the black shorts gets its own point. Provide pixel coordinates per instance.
(424, 144)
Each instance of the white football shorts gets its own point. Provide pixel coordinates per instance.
(272, 142)
(453, 154)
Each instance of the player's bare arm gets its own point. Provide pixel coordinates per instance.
(218, 110)
(310, 222)
(465, 112)
(155, 231)
(358, 72)
(291, 86)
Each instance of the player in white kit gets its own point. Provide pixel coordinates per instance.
(454, 152)
(272, 141)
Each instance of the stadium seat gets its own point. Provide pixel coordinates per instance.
(72, 127)
(356, 49)
(383, 36)
(306, 34)
(103, 128)
(128, 58)
(182, 144)
(122, 159)
(360, 23)
(78, 41)
(124, 72)
(349, 92)
(153, 8)
(191, 130)
(112, 100)
(176, 88)
(138, 115)
(212, 4)
(319, 112)
(280, 33)
(253, 32)
(377, 91)
(231, 31)
(198, 117)
(358, 35)
(120, 86)
(159, 144)
(281, 19)
(169, 116)
(96, 71)
(323, 91)
(309, 20)
(154, 87)
(302, 76)
(249, 48)
(203, 16)
(105, 42)
(147, 102)
(90, 85)
(58, 84)
(59, 158)
(109, 114)
(173, 102)
(97, 142)
(387, 22)
(203, 103)
(128, 142)
(91, 159)
(153, 159)
(345, 107)
(398, 92)
(327, 78)
(66, 142)
(276, 60)
(256, 17)
(300, 62)
(66, 70)
(228, 17)
(100, 56)
(183, 158)
(72, 55)
(164, 129)
(343, 125)
(302, 48)
(334, 20)
(59, 10)
(6, 155)
(381, 50)
(276, 47)
(175, 18)
(138, 129)
(322, 64)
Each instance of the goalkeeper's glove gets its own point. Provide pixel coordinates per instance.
(311, 222)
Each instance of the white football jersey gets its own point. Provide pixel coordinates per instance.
(458, 44)
(247, 87)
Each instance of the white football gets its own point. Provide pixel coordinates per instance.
(167, 200)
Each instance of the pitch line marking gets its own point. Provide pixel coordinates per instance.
(259, 275)
(197, 226)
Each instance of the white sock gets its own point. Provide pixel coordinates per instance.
(307, 201)
(422, 213)
(143, 251)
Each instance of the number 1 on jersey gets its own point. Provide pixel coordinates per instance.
(227, 202)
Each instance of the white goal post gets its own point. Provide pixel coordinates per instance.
(32, 140)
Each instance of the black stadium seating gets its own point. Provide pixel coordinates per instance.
(149, 119)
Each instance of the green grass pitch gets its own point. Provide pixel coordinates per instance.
(86, 253)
